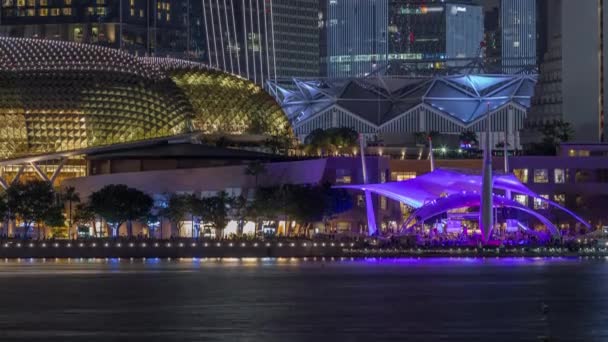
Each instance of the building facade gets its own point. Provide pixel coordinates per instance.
(573, 82)
(138, 26)
(394, 109)
(399, 36)
(518, 29)
(355, 42)
(262, 39)
(576, 178)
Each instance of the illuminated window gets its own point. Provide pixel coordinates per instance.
(67, 11)
(141, 13)
(44, 2)
(382, 202)
(7, 3)
(159, 6)
(383, 177)
(101, 2)
(168, 17)
(132, 3)
(54, 12)
(31, 12)
(560, 199)
(404, 208)
(541, 176)
(20, 3)
(44, 12)
(343, 176)
(521, 199)
(578, 153)
(521, 174)
(132, 12)
(101, 11)
(31, 3)
(67, 2)
(539, 203)
(91, 10)
(399, 176)
(560, 176)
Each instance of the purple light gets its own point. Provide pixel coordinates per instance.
(455, 190)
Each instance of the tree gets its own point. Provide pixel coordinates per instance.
(119, 204)
(177, 208)
(217, 213)
(335, 139)
(30, 202)
(238, 209)
(552, 135)
(468, 138)
(255, 169)
(3, 208)
(84, 215)
(71, 196)
(54, 218)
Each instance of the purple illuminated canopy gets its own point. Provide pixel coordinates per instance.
(455, 189)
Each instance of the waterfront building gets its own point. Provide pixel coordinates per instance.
(577, 178)
(518, 30)
(394, 109)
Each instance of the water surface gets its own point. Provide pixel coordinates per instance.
(297, 300)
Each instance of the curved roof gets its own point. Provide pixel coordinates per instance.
(379, 99)
(61, 96)
(430, 192)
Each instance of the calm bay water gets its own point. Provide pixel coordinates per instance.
(296, 300)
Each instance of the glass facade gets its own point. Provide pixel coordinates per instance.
(518, 18)
(138, 26)
(261, 39)
(397, 36)
(356, 37)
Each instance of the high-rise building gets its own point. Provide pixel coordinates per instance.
(572, 85)
(355, 37)
(399, 36)
(138, 26)
(262, 39)
(518, 30)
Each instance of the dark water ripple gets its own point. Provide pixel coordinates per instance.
(295, 300)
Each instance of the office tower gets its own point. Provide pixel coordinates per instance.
(572, 80)
(518, 30)
(355, 33)
(142, 27)
(262, 39)
(399, 36)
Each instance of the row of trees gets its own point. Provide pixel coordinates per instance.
(35, 204)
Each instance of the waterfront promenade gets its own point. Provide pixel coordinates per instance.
(296, 248)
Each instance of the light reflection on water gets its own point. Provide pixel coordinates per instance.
(289, 299)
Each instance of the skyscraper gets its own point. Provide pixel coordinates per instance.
(355, 36)
(399, 36)
(573, 83)
(518, 30)
(262, 39)
(139, 26)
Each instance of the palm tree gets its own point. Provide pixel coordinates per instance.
(255, 169)
(71, 196)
